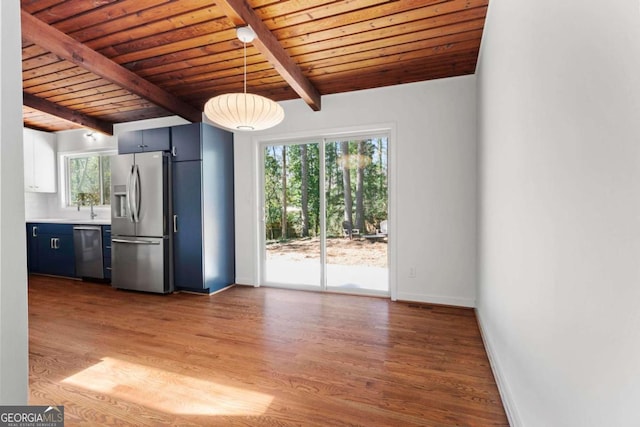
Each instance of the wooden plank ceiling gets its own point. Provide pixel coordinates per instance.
(95, 63)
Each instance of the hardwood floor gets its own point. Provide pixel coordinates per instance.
(254, 357)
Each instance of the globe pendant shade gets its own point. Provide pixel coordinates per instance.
(243, 111)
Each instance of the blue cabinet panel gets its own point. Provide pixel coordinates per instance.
(187, 237)
(50, 249)
(138, 141)
(56, 229)
(106, 251)
(189, 142)
(32, 248)
(218, 209)
(186, 142)
(130, 142)
(204, 245)
(55, 255)
(107, 268)
(156, 139)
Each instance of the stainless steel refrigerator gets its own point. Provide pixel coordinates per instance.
(140, 222)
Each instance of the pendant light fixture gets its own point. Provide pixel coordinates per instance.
(244, 111)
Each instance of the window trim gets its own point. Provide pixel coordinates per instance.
(65, 169)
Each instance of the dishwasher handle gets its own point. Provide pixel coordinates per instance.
(87, 227)
(135, 242)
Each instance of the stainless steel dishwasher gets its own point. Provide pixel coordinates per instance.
(87, 244)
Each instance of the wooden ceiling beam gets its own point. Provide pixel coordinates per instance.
(65, 113)
(55, 41)
(240, 13)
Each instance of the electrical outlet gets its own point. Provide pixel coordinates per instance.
(412, 272)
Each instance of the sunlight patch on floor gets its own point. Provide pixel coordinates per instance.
(167, 391)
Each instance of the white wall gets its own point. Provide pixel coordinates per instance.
(559, 220)
(13, 259)
(435, 149)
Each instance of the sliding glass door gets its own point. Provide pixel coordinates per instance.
(325, 210)
(291, 195)
(356, 212)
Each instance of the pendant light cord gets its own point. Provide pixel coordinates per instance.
(245, 67)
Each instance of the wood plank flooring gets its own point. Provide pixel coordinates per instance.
(254, 357)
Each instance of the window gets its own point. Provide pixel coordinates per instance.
(88, 179)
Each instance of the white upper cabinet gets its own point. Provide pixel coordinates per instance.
(39, 161)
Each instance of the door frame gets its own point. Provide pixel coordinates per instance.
(260, 142)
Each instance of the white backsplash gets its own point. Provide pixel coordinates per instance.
(57, 211)
(36, 205)
(47, 205)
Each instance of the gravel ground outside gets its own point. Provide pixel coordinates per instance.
(341, 251)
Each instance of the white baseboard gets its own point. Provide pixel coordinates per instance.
(459, 302)
(503, 386)
(222, 290)
(244, 281)
(184, 291)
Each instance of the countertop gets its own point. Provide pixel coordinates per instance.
(97, 221)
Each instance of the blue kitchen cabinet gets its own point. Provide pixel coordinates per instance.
(203, 205)
(130, 142)
(106, 251)
(55, 255)
(32, 248)
(187, 240)
(50, 249)
(139, 141)
(193, 141)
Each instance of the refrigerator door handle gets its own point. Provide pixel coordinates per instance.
(175, 223)
(129, 198)
(135, 242)
(138, 193)
(135, 194)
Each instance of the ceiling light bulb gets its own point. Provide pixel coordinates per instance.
(245, 34)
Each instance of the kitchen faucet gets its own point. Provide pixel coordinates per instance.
(93, 214)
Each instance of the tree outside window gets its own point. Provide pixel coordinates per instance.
(88, 179)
